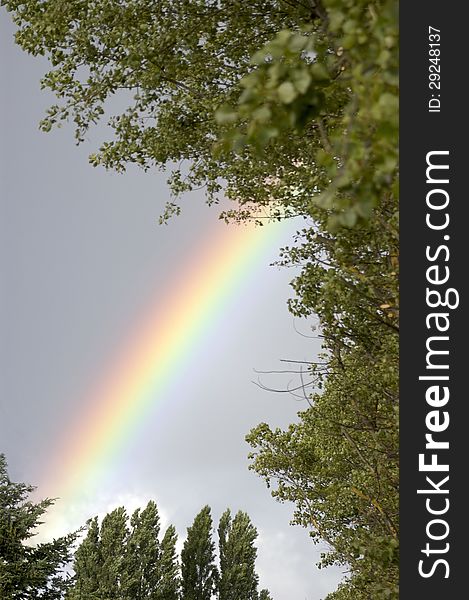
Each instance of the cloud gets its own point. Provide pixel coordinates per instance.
(60, 520)
(281, 566)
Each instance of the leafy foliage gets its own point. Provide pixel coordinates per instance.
(326, 70)
(113, 536)
(238, 577)
(87, 565)
(142, 555)
(198, 569)
(335, 82)
(28, 571)
(118, 562)
(121, 562)
(168, 568)
(288, 108)
(339, 463)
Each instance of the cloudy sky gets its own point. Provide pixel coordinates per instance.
(83, 264)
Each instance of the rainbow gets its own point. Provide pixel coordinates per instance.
(166, 338)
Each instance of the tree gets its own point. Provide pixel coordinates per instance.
(140, 577)
(198, 570)
(87, 565)
(28, 571)
(265, 595)
(168, 571)
(238, 578)
(289, 108)
(339, 464)
(114, 562)
(113, 538)
(312, 79)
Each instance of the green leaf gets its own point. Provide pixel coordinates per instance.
(287, 92)
(226, 115)
(319, 72)
(262, 114)
(302, 80)
(349, 218)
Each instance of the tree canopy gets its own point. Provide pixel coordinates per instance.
(28, 571)
(142, 555)
(199, 574)
(168, 580)
(238, 577)
(122, 560)
(314, 80)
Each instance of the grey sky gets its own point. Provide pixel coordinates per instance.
(80, 254)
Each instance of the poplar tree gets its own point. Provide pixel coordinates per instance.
(115, 562)
(142, 555)
(28, 571)
(238, 578)
(87, 565)
(113, 537)
(199, 573)
(168, 568)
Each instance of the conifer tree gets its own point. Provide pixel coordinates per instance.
(169, 580)
(265, 595)
(238, 578)
(28, 571)
(199, 573)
